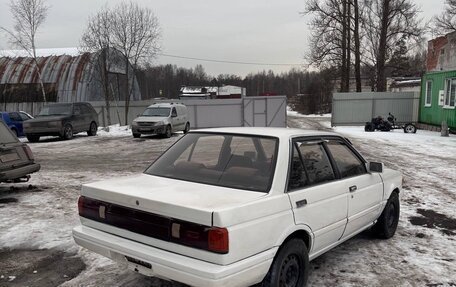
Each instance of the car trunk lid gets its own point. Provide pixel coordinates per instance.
(168, 198)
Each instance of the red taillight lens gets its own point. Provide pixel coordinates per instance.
(81, 205)
(28, 152)
(218, 240)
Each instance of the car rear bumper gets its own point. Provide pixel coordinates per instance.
(19, 172)
(171, 266)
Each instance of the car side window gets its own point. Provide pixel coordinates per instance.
(347, 162)
(85, 109)
(174, 113)
(24, 117)
(310, 165)
(77, 110)
(15, 117)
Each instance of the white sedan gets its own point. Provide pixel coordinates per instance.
(239, 206)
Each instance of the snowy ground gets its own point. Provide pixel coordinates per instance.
(36, 248)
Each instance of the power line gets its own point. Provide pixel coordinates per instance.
(226, 61)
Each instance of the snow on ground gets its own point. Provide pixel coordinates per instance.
(41, 218)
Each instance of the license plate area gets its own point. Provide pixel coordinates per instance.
(138, 262)
(9, 157)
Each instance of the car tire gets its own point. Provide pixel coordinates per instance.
(67, 132)
(92, 129)
(386, 225)
(168, 132)
(290, 266)
(410, 129)
(135, 135)
(187, 127)
(33, 139)
(369, 127)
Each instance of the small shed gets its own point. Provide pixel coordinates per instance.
(438, 98)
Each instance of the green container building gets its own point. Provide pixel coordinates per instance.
(438, 99)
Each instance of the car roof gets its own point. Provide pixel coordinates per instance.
(165, 105)
(267, 131)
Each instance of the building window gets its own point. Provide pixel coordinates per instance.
(450, 93)
(428, 96)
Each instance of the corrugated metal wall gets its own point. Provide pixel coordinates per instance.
(435, 114)
(351, 109)
(250, 111)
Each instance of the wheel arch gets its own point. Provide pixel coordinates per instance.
(302, 232)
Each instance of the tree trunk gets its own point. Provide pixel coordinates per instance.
(105, 83)
(40, 77)
(381, 57)
(357, 48)
(344, 47)
(127, 89)
(348, 64)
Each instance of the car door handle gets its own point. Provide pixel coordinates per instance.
(353, 188)
(301, 203)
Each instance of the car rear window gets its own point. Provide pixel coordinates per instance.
(5, 135)
(56, 110)
(235, 161)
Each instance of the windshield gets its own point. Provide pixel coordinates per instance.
(6, 136)
(235, 161)
(56, 110)
(156, 112)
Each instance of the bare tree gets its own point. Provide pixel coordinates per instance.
(335, 27)
(136, 34)
(386, 22)
(97, 39)
(28, 16)
(446, 22)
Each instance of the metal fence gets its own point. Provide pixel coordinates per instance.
(351, 109)
(249, 111)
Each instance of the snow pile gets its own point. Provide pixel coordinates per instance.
(292, 113)
(114, 131)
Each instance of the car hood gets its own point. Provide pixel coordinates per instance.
(179, 199)
(150, 119)
(47, 119)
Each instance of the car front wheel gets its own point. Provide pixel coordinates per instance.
(387, 222)
(168, 132)
(290, 268)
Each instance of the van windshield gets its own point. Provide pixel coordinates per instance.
(228, 160)
(156, 112)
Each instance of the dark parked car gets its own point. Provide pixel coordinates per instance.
(14, 121)
(16, 158)
(63, 120)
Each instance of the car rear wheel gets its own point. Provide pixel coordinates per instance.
(92, 130)
(387, 222)
(67, 132)
(290, 268)
(33, 139)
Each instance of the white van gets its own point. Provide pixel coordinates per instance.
(163, 119)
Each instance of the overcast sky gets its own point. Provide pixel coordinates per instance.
(260, 31)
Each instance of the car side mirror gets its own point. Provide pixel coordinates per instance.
(376, 167)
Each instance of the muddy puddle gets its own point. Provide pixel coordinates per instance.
(37, 267)
(435, 220)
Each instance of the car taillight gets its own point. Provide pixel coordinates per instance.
(28, 152)
(218, 240)
(212, 239)
(81, 205)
